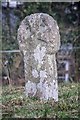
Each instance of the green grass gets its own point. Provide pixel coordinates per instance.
(16, 105)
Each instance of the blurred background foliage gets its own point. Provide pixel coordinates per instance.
(65, 13)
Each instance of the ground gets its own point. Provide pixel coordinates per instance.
(16, 105)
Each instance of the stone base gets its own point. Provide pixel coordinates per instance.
(43, 91)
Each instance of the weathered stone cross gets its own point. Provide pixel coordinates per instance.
(39, 40)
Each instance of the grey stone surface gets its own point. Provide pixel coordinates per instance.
(39, 40)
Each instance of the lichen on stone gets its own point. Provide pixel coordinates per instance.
(39, 40)
(39, 53)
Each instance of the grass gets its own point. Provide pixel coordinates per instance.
(16, 105)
